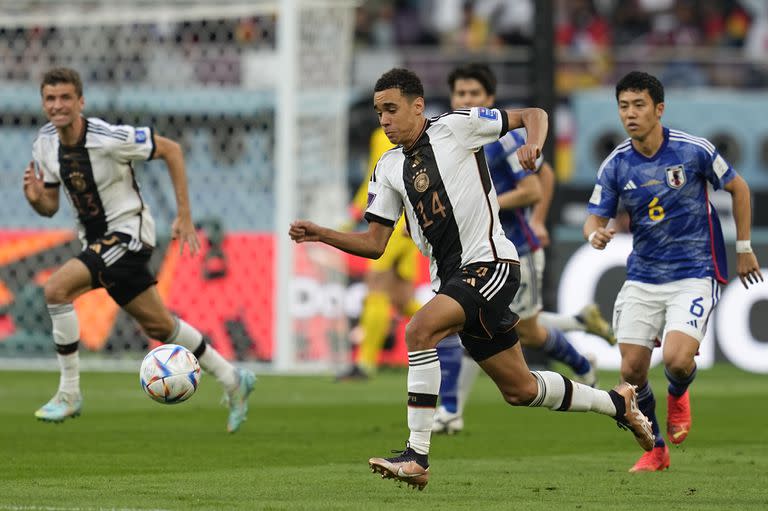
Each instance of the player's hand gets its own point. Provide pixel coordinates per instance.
(748, 269)
(34, 187)
(527, 155)
(541, 232)
(302, 231)
(183, 229)
(601, 237)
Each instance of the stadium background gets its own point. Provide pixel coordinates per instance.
(274, 116)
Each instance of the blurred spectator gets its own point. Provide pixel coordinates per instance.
(631, 23)
(737, 24)
(581, 28)
(678, 27)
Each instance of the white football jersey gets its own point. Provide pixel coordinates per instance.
(98, 177)
(443, 183)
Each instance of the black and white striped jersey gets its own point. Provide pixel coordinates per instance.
(99, 179)
(444, 185)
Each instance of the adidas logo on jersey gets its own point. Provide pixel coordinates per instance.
(693, 323)
(630, 185)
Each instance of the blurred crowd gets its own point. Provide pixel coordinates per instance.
(581, 26)
(695, 43)
(687, 42)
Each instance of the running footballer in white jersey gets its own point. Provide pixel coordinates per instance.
(91, 160)
(438, 175)
(98, 177)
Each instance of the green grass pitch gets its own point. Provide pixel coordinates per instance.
(307, 441)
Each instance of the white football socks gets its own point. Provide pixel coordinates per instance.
(558, 393)
(423, 387)
(564, 322)
(210, 360)
(467, 376)
(66, 332)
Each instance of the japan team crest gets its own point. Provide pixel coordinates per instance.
(675, 176)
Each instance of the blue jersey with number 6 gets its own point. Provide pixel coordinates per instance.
(675, 228)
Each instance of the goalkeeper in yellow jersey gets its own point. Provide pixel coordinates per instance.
(390, 279)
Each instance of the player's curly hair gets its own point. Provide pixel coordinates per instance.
(59, 75)
(640, 81)
(476, 71)
(403, 79)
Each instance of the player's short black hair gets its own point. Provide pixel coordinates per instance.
(480, 72)
(405, 80)
(640, 81)
(59, 75)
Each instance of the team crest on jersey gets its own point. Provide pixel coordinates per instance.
(140, 137)
(675, 176)
(77, 181)
(371, 197)
(421, 181)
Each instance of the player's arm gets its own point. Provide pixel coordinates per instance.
(596, 232)
(746, 265)
(43, 199)
(183, 228)
(536, 122)
(541, 209)
(370, 244)
(527, 192)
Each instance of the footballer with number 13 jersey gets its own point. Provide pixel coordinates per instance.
(93, 161)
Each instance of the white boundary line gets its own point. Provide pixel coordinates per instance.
(11, 507)
(106, 365)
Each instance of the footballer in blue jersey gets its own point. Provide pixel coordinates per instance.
(524, 197)
(662, 177)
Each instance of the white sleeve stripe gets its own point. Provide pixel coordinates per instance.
(694, 142)
(693, 139)
(682, 134)
(456, 112)
(108, 133)
(622, 148)
(109, 130)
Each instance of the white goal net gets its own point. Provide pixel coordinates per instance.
(257, 95)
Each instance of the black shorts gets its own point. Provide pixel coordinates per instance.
(485, 291)
(123, 273)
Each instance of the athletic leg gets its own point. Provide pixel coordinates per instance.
(521, 387)
(439, 318)
(67, 283)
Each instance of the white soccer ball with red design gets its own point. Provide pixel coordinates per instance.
(170, 374)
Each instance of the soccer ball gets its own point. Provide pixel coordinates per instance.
(169, 374)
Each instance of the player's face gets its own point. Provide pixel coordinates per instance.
(468, 93)
(61, 104)
(638, 113)
(398, 115)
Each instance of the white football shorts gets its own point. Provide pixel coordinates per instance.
(527, 301)
(644, 312)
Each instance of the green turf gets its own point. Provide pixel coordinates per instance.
(308, 439)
